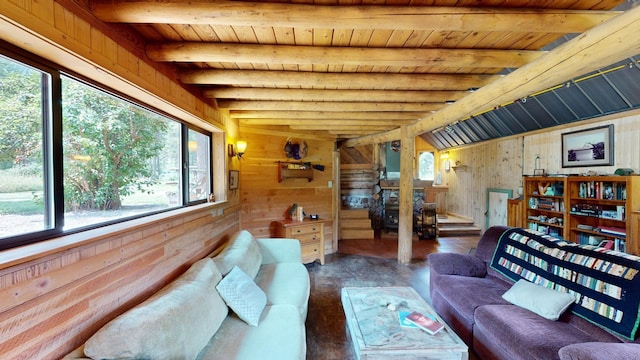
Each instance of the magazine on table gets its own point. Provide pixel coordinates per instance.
(402, 315)
(425, 323)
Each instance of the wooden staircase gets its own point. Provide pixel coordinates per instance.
(455, 225)
(355, 224)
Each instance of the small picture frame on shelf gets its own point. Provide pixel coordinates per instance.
(234, 176)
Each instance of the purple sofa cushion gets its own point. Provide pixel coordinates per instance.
(457, 297)
(457, 264)
(600, 351)
(510, 332)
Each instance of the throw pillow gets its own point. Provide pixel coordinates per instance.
(458, 264)
(242, 295)
(548, 303)
(175, 323)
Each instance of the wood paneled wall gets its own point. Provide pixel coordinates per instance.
(264, 199)
(55, 294)
(52, 303)
(502, 163)
(549, 146)
(491, 165)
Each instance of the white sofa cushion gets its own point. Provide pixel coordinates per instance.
(242, 251)
(175, 323)
(242, 295)
(285, 283)
(281, 335)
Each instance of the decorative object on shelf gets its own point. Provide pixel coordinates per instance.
(234, 176)
(591, 147)
(623, 171)
(238, 150)
(537, 171)
(296, 150)
(396, 145)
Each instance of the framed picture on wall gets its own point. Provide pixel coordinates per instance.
(591, 147)
(234, 176)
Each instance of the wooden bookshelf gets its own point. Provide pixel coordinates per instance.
(602, 211)
(544, 204)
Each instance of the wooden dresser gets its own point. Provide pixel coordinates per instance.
(310, 233)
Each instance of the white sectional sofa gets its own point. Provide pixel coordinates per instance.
(206, 312)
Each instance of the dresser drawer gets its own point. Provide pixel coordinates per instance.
(307, 238)
(310, 251)
(305, 229)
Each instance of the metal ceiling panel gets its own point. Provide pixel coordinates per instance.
(539, 112)
(606, 91)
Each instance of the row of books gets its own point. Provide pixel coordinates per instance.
(617, 244)
(602, 190)
(549, 230)
(551, 204)
(606, 212)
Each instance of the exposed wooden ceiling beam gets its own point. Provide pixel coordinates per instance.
(353, 56)
(345, 128)
(238, 13)
(323, 122)
(327, 106)
(352, 133)
(334, 95)
(597, 48)
(364, 115)
(260, 78)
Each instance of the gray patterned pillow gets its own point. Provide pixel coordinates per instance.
(242, 295)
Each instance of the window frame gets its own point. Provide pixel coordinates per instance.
(53, 162)
(418, 165)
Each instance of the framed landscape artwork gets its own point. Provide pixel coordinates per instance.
(591, 147)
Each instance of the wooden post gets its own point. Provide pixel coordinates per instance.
(405, 221)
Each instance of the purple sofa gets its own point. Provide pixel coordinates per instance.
(467, 293)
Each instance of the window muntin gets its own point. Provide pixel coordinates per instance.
(97, 158)
(198, 146)
(24, 114)
(426, 166)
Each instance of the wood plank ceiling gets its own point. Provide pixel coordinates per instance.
(347, 68)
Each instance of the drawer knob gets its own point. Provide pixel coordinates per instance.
(298, 230)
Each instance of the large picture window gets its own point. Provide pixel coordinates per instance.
(24, 114)
(96, 159)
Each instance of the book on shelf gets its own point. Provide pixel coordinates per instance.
(611, 230)
(602, 190)
(616, 244)
(425, 323)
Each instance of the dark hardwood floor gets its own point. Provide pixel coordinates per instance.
(365, 263)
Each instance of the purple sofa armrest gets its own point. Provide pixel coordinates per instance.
(457, 264)
(600, 351)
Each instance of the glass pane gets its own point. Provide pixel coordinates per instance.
(22, 179)
(120, 160)
(426, 166)
(199, 174)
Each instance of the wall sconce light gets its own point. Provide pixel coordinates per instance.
(238, 150)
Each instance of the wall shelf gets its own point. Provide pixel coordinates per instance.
(291, 170)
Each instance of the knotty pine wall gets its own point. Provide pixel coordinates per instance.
(264, 199)
(55, 294)
(501, 163)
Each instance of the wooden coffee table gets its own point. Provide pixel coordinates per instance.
(376, 331)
